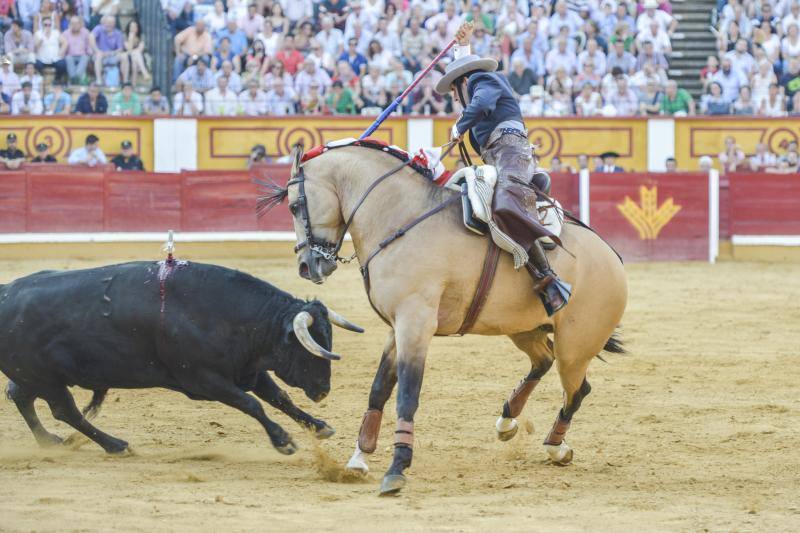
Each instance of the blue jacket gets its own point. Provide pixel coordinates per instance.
(491, 101)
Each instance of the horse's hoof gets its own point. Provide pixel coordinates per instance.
(358, 462)
(560, 455)
(287, 449)
(392, 484)
(325, 432)
(506, 428)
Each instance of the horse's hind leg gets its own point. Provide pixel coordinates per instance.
(24, 399)
(540, 351)
(572, 371)
(382, 387)
(62, 404)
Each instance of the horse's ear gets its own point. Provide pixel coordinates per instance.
(297, 157)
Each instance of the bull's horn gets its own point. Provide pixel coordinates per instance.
(342, 322)
(302, 321)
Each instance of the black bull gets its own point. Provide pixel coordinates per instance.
(209, 332)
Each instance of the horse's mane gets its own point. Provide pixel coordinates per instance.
(271, 194)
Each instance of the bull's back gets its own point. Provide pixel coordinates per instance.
(92, 328)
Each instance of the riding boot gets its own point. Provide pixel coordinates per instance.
(553, 291)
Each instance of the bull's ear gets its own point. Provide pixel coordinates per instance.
(297, 157)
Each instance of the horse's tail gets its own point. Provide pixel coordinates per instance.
(93, 407)
(615, 344)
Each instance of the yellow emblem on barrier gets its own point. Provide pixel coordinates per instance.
(648, 217)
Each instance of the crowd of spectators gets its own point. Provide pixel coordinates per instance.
(70, 43)
(563, 58)
(757, 69)
(283, 57)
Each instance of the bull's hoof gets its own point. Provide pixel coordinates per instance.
(48, 440)
(392, 484)
(287, 449)
(506, 428)
(116, 447)
(324, 432)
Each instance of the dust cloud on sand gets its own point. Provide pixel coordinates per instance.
(697, 428)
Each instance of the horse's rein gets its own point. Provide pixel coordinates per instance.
(330, 251)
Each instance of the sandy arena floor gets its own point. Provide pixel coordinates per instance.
(697, 429)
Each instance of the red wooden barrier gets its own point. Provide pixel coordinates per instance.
(59, 199)
(215, 200)
(765, 204)
(142, 201)
(565, 189)
(652, 216)
(13, 202)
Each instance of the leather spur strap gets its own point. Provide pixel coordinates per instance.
(484, 286)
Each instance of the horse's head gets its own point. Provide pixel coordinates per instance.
(317, 219)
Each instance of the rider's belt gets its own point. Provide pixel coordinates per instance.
(513, 131)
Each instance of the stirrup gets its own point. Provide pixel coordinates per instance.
(555, 295)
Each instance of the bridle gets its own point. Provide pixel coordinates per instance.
(326, 249)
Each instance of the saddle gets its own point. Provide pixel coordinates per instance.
(477, 186)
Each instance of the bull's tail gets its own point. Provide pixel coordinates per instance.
(93, 407)
(615, 344)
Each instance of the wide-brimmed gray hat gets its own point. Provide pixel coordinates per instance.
(461, 67)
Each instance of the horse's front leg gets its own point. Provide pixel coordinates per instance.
(415, 325)
(382, 387)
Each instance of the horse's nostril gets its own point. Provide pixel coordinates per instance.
(304, 270)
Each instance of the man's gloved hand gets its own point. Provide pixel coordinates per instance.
(464, 33)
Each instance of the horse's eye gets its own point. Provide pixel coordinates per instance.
(293, 209)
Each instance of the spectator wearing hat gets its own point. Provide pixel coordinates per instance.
(109, 51)
(43, 154)
(90, 154)
(666, 22)
(18, 44)
(156, 104)
(77, 48)
(609, 165)
(126, 102)
(92, 102)
(8, 77)
(57, 102)
(12, 157)
(258, 154)
(27, 101)
(199, 76)
(127, 159)
(193, 42)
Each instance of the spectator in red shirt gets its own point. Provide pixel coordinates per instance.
(289, 56)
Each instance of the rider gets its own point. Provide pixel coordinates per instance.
(493, 121)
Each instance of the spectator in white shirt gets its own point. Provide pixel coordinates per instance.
(741, 59)
(253, 101)
(221, 101)
(47, 45)
(8, 77)
(561, 57)
(762, 159)
(216, 19)
(234, 80)
(270, 38)
(448, 17)
(331, 39)
(666, 22)
(389, 40)
(90, 154)
(27, 101)
(594, 53)
(564, 17)
(656, 35)
(281, 99)
(310, 74)
(29, 74)
(624, 99)
(793, 17)
(188, 102)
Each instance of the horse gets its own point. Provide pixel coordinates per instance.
(421, 268)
